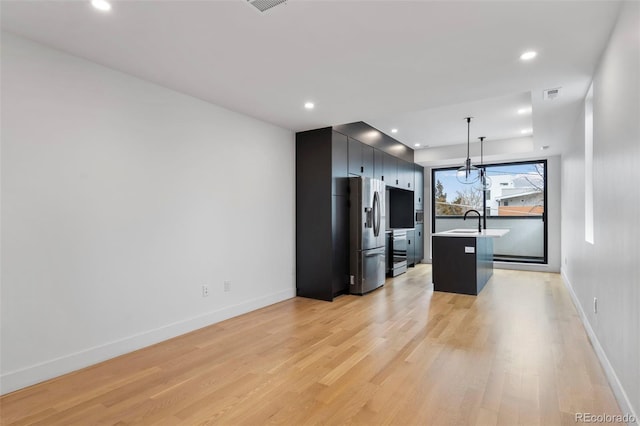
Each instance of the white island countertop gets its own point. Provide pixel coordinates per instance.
(487, 233)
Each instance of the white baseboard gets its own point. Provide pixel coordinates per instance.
(31, 375)
(618, 391)
(533, 267)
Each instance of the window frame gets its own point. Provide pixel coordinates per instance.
(543, 261)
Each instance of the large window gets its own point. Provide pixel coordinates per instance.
(514, 199)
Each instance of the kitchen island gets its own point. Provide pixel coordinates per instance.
(463, 259)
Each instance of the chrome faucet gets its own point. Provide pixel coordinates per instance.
(479, 218)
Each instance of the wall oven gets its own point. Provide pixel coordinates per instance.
(399, 251)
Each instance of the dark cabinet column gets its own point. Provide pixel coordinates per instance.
(419, 187)
(322, 214)
(411, 247)
(419, 246)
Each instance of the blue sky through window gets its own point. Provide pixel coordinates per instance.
(451, 185)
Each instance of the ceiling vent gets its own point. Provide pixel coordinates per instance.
(264, 5)
(551, 94)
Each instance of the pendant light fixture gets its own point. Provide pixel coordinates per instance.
(484, 179)
(468, 174)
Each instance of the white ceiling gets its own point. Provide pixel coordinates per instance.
(495, 118)
(420, 66)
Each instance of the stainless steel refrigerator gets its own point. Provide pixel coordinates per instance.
(367, 257)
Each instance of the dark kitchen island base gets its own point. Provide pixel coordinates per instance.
(461, 264)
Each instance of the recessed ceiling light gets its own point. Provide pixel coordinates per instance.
(525, 131)
(309, 105)
(527, 56)
(394, 130)
(102, 5)
(543, 147)
(523, 111)
(416, 144)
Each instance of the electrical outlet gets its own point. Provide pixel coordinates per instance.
(227, 286)
(595, 305)
(205, 290)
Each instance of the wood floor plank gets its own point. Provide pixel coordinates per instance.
(516, 354)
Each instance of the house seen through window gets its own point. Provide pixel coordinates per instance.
(515, 199)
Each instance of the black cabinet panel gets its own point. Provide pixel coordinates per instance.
(460, 264)
(411, 247)
(367, 160)
(355, 157)
(339, 164)
(360, 158)
(313, 214)
(419, 187)
(419, 242)
(390, 165)
(405, 175)
(340, 238)
(378, 165)
(322, 215)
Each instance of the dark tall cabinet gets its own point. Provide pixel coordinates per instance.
(418, 202)
(411, 247)
(419, 187)
(322, 214)
(419, 245)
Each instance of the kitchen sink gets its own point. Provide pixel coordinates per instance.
(462, 231)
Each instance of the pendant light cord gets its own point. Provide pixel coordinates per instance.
(468, 134)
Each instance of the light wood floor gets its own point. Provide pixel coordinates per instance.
(404, 355)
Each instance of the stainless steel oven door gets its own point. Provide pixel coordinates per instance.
(399, 247)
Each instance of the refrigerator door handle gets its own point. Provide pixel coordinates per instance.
(376, 214)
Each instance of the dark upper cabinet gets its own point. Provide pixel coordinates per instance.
(419, 187)
(360, 158)
(405, 175)
(390, 167)
(378, 165)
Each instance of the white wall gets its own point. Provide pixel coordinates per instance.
(553, 208)
(120, 199)
(609, 269)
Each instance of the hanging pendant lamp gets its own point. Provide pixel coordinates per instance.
(468, 174)
(484, 179)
